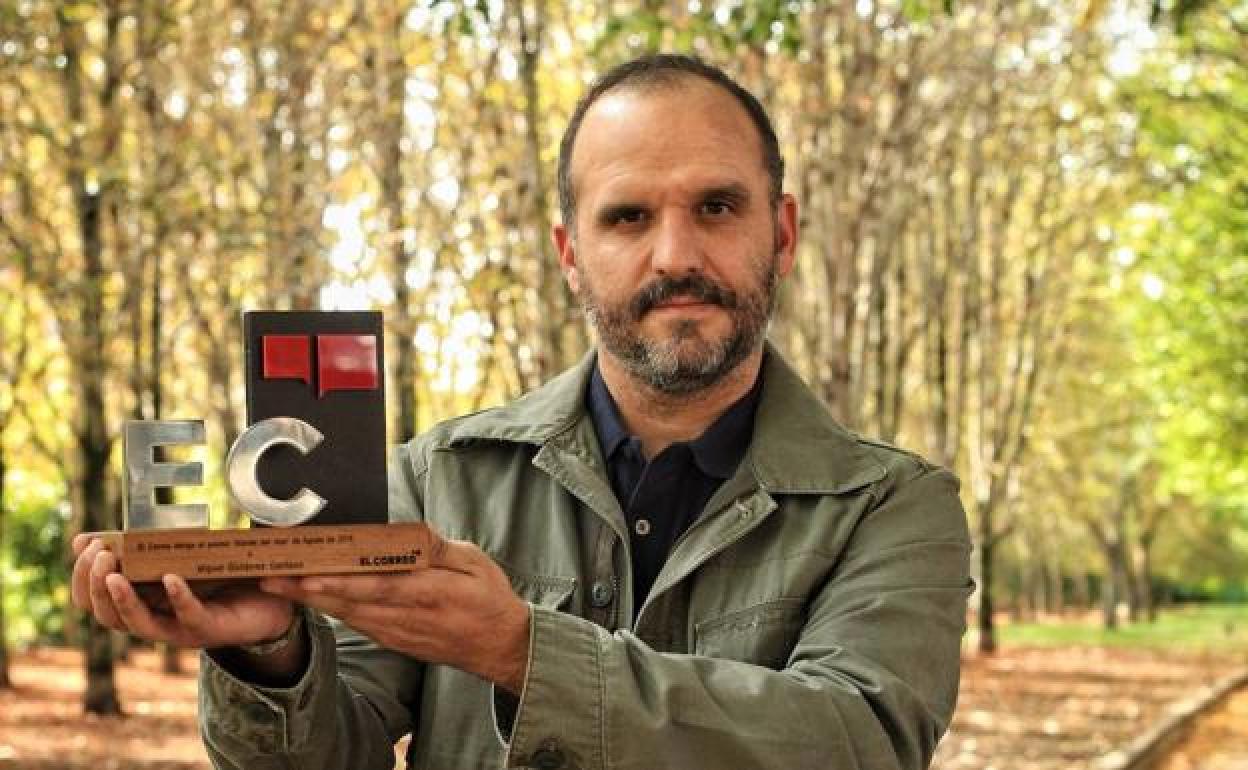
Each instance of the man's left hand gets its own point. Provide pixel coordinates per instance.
(460, 611)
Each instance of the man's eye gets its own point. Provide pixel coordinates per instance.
(715, 208)
(626, 216)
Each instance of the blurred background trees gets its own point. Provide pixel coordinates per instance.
(1024, 247)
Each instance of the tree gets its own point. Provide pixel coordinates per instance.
(1184, 266)
(14, 349)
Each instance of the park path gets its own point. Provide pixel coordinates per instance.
(1216, 741)
(1065, 708)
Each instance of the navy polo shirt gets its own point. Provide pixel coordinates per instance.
(663, 497)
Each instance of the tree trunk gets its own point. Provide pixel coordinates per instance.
(93, 451)
(1117, 586)
(1083, 591)
(1111, 587)
(1043, 589)
(5, 682)
(1144, 578)
(558, 341)
(87, 344)
(171, 662)
(391, 74)
(987, 546)
(1057, 588)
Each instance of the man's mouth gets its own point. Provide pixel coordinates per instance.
(677, 302)
(690, 292)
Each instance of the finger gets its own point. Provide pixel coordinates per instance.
(437, 547)
(374, 589)
(187, 608)
(388, 625)
(80, 581)
(102, 607)
(80, 542)
(282, 586)
(457, 555)
(343, 609)
(135, 614)
(407, 589)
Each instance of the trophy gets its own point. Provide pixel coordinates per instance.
(309, 471)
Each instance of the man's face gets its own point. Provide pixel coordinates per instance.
(677, 247)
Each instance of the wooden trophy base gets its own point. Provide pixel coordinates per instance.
(217, 554)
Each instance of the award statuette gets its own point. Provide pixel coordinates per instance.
(310, 471)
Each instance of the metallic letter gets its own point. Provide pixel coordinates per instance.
(144, 474)
(240, 472)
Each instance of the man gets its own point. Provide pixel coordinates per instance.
(669, 556)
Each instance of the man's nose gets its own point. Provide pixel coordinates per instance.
(677, 246)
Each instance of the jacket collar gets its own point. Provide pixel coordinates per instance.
(797, 446)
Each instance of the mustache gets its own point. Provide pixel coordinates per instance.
(694, 285)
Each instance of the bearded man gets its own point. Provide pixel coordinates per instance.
(670, 556)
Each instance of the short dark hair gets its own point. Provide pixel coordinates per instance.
(664, 70)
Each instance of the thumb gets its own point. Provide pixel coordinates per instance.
(455, 555)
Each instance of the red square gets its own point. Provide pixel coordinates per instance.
(287, 357)
(346, 362)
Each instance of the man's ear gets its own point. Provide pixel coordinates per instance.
(786, 234)
(565, 244)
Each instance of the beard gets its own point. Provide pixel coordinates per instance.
(682, 361)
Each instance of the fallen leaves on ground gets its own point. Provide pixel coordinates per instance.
(1062, 708)
(1021, 709)
(42, 724)
(1217, 741)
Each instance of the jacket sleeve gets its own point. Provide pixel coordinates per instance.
(871, 682)
(350, 707)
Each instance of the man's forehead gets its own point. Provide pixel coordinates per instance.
(612, 187)
(679, 98)
(670, 117)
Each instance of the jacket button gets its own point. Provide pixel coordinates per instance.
(601, 594)
(547, 759)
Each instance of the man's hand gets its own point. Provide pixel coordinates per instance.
(240, 614)
(461, 611)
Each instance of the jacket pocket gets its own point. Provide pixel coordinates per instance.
(543, 590)
(763, 634)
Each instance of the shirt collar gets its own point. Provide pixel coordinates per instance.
(717, 452)
(605, 414)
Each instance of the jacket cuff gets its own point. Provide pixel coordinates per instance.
(265, 720)
(560, 719)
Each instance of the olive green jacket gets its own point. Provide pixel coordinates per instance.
(810, 618)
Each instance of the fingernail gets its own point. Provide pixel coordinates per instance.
(114, 590)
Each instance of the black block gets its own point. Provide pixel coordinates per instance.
(337, 385)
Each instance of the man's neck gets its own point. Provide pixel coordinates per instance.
(660, 419)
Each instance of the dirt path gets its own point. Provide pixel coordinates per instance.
(1061, 709)
(1037, 709)
(1217, 741)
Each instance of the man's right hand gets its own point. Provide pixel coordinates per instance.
(240, 614)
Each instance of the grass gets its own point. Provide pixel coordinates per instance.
(1220, 627)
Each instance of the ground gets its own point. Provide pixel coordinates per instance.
(42, 726)
(1058, 708)
(1218, 742)
(1026, 708)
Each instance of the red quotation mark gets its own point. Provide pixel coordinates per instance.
(345, 361)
